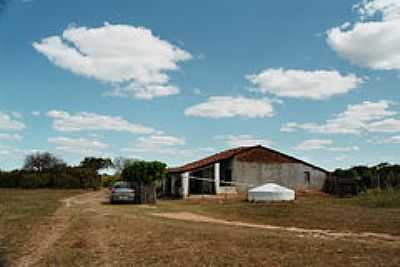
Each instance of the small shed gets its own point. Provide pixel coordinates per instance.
(271, 192)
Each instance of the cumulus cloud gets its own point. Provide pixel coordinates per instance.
(228, 107)
(367, 116)
(81, 146)
(130, 58)
(158, 144)
(323, 144)
(10, 122)
(83, 121)
(243, 140)
(317, 85)
(374, 40)
(385, 126)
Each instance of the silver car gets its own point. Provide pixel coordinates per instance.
(122, 192)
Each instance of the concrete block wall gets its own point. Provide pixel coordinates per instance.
(290, 175)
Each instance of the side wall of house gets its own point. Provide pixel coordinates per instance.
(291, 175)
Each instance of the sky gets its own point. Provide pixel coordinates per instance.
(178, 80)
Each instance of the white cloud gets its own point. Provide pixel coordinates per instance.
(243, 140)
(227, 107)
(10, 137)
(314, 144)
(80, 146)
(323, 144)
(387, 140)
(130, 58)
(10, 122)
(66, 122)
(157, 144)
(36, 113)
(367, 116)
(373, 41)
(385, 126)
(320, 84)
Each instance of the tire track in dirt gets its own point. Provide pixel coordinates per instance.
(301, 232)
(47, 234)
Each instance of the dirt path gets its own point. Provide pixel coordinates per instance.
(318, 233)
(46, 235)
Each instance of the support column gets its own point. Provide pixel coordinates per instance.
(173, 185)
(216, 176)
(185, 184)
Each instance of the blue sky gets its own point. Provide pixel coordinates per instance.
(178, 80)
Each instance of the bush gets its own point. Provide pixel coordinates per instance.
(145, 176)
(378, 198)
(68, 177)
(382, 176)
(147, 172)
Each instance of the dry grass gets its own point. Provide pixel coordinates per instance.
(20, 212)
(124, 235)
(311, 211)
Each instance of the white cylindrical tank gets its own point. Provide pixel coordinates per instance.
(271, 192)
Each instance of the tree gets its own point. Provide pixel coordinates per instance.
(39, 162)
(119, 163)
(96, 163)
(145, 176)
(146, 172)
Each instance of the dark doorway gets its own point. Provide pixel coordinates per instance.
(201, 182)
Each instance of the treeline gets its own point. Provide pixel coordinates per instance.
(44, 170)
(362, 178)
(382, 176)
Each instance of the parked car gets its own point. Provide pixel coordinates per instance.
(122, 192)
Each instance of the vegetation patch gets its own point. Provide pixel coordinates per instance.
(377, 198)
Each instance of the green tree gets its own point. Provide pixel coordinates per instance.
(147, 172)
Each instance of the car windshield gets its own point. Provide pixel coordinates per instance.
(122, 185)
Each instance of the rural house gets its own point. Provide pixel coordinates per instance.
(238, 169)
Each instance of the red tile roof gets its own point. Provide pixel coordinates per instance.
(248, 154)
(226, 154)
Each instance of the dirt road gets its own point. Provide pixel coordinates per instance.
(45, 236)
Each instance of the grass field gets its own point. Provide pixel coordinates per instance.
(20, 211)
(311, 211)
(90, 232)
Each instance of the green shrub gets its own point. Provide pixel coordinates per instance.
(68, 177)
(378, 198)
(146, 172)
(9, 179)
